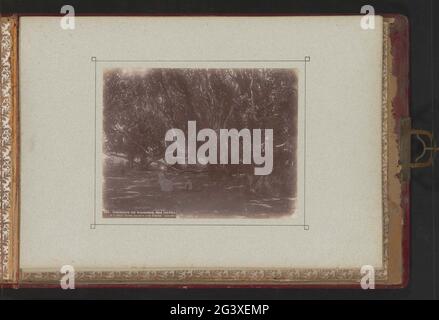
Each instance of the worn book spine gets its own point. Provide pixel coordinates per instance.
(398, 184)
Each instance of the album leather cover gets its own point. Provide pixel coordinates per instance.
(200, 151)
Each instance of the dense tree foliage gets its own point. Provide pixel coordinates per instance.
(140, 105)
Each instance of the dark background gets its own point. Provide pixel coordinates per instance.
(424, 30)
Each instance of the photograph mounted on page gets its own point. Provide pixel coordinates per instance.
(207, 143)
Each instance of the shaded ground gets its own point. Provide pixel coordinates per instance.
(138, 193)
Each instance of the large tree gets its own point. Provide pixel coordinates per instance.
(141, 105)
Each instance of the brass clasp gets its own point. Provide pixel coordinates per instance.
(428, 146)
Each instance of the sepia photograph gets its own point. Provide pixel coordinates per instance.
(199, 142)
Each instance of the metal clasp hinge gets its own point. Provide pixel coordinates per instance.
(429, 148)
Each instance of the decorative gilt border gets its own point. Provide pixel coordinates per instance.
(385, 147)
(8, 151)
(202, 276)
(253, 276)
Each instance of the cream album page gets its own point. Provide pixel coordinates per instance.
(200, 142)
